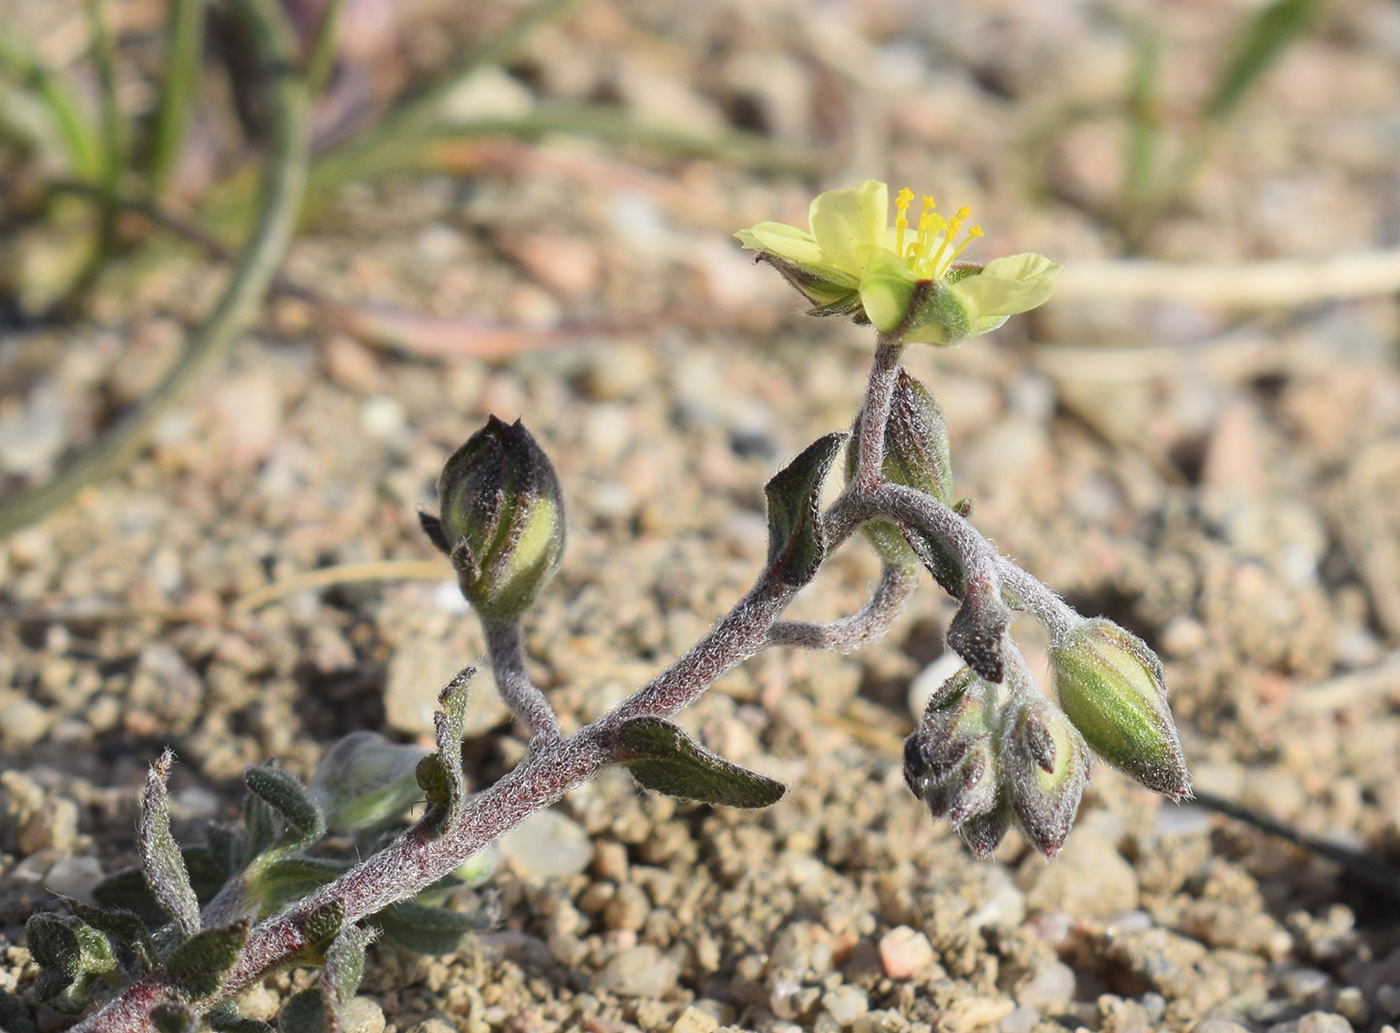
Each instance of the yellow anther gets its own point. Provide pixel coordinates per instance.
(929, 203)
(972, 235)
(903, 199)
(901, 222)
(963, 212)
(975, 232)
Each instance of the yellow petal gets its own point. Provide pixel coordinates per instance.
(886, 289)
(1007, 286)
(844, 220)
(782, 240)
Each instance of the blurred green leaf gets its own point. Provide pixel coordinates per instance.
(1267, 38)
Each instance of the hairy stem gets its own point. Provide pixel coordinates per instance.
(875, 414)
(861, 628)
(523, 696)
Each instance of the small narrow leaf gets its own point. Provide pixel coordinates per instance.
(324, 923)
(197, 966)
(306, 1012)
(664, 759)
(288, 878)
(977, 629)
(345, 965)
(426, 930)
(258, 825)
(440, 774)
(301, 818)
(161, 862)
(796, 542)
(1273, 29)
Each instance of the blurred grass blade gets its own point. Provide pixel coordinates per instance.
(1144, 119)
(61, 99)
(321, 60)
(1267, 39)
(184, 51)
(104, 56)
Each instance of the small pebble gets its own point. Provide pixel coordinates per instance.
(362, 1015)
(1215, 1024)
(693, 1020)
(23, 723)
(74, 877)
(547, 845)
(1050, 987)
(903, 952)
(846, 1004)
(640, 971)
(1022, 1020)
(1323, 1022)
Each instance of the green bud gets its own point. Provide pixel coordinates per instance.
(950, 762)
(916, 455)
(1112, 687)
(502, 519)
(1046, 766)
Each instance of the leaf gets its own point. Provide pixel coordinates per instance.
(288, 878)
(664, 759)
(437, 534)
(440, 774)
(976, 630)
(1270, 33)
(129, 890)
(345, 964)
(161, 862)
(364, 781)
(71, 956)
(796, 542)
(306, 1012)
(224, 1018)
(172, 1018)
(122, 925)
(323, 924)
(426, 930)
(197, 967)
(301, 818)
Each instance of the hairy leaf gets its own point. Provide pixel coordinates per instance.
(796, 541)
(161, 862)
(427, 930)
(172, 1018)
(301, 818)
(324, 923)
(364, 781)
(440, 774)
(198, 965)
(664, 759)
(122, 925)
(306, 1012)
(345, 964)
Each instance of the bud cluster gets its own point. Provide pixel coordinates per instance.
(985, 755)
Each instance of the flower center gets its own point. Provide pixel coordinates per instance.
(928, 255)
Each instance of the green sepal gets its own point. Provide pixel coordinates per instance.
(796, 538)
(940, 317)
(425, 930)
(197, 967)
(664, 759)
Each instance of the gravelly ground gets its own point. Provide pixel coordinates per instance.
(1222, 482)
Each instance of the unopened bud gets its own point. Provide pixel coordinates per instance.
(502, 518)
(1111, 685)
(916, 455)
(950, 762)
(1046, 766)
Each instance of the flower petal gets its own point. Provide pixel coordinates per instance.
(844, 220)
(1006, 286)
(886, 289)
(782, 240)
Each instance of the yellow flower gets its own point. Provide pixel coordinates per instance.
(852, 262)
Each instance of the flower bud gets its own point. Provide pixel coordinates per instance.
(1111, 686)
(503, 518)
(916, 455)
(1046, 766)
(950, 762)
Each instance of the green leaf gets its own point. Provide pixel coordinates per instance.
(323, 924)
(122, 925)
(1269, 35)
(224, 1018)
(306, 1012)
(345, 964)
(365, 781)
(172, 1018)
(796, 542)
(301, 818)
(71, 956)
(289, 878)
(161, 861)
(228, 849)
(440, 774)
(664, 759)
(426, 930)
(197, 967)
